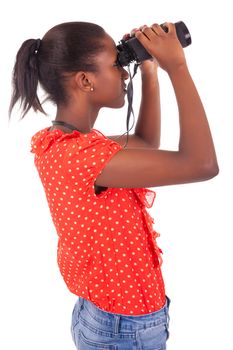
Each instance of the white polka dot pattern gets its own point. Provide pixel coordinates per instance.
(107, 251)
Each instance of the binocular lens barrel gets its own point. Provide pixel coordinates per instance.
(132, 50)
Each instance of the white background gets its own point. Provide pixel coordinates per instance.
(195, 220)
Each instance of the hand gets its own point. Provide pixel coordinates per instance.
(165, 47)
(147, 67)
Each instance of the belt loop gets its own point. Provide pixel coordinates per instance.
(81, 302)
(168, 301)
(116, 323)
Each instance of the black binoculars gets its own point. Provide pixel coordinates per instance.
(132, 50)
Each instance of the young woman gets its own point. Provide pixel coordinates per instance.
(97, 188)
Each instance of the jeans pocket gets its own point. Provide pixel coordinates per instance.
(85, 343)
(75, 321)
(154, 338)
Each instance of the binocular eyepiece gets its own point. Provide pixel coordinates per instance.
(132, 50)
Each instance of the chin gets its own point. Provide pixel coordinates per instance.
(121, 104)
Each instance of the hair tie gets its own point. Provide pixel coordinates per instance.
(38, 42)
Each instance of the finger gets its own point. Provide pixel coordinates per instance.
(142, 27)
(132, 33)
(146, 31)
(141, 37)
(170, 27)
(126, 36)
(157, 29)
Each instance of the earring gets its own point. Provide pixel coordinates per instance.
(92, 89)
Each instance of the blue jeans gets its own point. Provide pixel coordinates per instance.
(93, 328)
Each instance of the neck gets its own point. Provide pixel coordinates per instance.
(64, 124)
(81, 120)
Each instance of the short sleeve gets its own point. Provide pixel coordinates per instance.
(87, 157)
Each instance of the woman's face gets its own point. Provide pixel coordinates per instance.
(109, 82)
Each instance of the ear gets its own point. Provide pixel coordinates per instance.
(84, 81)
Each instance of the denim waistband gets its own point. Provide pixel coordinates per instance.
(118, 322)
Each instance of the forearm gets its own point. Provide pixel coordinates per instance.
(149, 119)
(195, 136)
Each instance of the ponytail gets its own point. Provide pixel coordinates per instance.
(25, 78)
(65, 49)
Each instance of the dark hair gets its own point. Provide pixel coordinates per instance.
(66, 48)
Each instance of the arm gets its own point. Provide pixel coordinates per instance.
(195, 136)
(195, 159)
(148, 125)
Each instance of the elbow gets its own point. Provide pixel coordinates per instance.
(209, 170)
(212, 172)
(216, 170)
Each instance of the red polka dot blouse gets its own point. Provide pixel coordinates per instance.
(107, 251)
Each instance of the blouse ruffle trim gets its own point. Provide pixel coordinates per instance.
(44, 138)
(146, 198)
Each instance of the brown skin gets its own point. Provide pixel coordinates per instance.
(108, 90)
(195, 159)
(148, 127)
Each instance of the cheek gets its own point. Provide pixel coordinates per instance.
(109, 90)
(109, 87)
